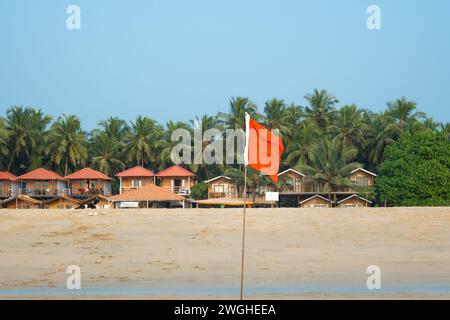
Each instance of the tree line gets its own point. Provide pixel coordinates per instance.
(322, 139)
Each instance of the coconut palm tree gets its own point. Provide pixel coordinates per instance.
(166, 144)
(141, 141)
(39, 121)
(329, 165)
(22, 134)
(106, 154)
(67, 142)
(235, 118)
(349, 127)
(304, 138)
(321, 107)
(276, 116)
(400, 116)
(115, 128)
(202, 125)
(4, 137)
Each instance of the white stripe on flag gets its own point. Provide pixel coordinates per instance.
(247, 137)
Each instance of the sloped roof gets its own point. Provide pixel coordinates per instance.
(291, 170)
(87, 173)
(316, 196)
(353, 196)
(216, 178)
(149, 193)
(63, 197)
(23, 198)
(137, 171)
(5, 175)
(40, 174)
(364, 170)
(175, 171)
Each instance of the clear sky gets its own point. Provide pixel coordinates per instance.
(174, 59)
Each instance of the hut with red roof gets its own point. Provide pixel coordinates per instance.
(87, 181)
(135, 178)
(9, 185)
(150, 196)
(176, 179)
(42, 183)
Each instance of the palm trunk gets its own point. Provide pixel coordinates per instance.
(65, 167)
(11, 160)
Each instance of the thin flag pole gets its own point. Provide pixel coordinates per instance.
(243, 234)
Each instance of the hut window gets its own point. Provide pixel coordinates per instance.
(362, 181)
(137, 183)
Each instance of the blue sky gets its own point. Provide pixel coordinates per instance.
(176, 59)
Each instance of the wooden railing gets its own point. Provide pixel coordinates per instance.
(44, 192)
(179, 190)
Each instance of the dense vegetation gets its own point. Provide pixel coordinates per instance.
(321, 138)
(416, 171)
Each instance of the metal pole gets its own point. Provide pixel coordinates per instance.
(243, 234)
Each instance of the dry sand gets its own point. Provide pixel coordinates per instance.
(195, 253)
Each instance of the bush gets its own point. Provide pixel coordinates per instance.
(416, 171)
(199, 191)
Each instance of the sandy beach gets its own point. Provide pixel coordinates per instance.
(195, 253)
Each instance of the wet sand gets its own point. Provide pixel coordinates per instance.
(195, 254)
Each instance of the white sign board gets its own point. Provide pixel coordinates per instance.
(129, 204)
(272, 196)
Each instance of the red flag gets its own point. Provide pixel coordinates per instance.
(263, 148)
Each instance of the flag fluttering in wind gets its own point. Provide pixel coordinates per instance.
(263, 148)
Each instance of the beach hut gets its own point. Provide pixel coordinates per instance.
(291, 180)
(9, 185)
(316, 201)
(176, 179)
(61, 202)
(363, 178)
(135, 178)
(149, 197)
(42, 183)
(22, 202)
(88, 181)
(222, 187)
(354, 201)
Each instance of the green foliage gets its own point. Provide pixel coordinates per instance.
(199, 191)
(416, 171)
(31, 139)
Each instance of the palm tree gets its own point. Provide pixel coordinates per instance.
(39, 121)
(114, 128)
(166, 144)
(67, 142)
(276, 116)
(235, 118)
(321, 107)
(400, 116)
(21, 133)
(304, 138)
(145, 132)
(106, 154)
(201, 124)
(4, 137)
(349, 127)
(330, 165)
